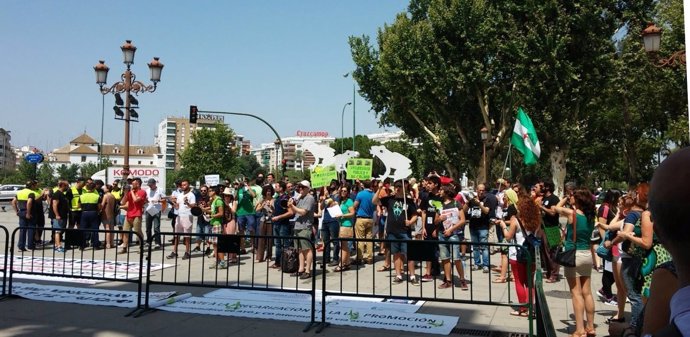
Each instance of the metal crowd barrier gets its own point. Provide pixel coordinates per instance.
(195, 271)
(544, 323)
(79, 260)
(5, 258)
(371, 283)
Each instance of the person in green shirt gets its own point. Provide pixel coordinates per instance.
(246, 214)
(578, 231)
(216, 213)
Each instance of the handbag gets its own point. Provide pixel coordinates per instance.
(527, 250)
(566, 257)
(603, 252)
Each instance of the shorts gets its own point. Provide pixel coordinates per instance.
(398, 247)
(110, 222)
(449, 251)
(583, 265)
(58, 224)
(215, 230)
(345, 232)
(246, 222)
(184, 224)
(305, 236)
(133, 223)
(202, 228)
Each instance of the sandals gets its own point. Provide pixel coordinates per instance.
(499, 280)
(341, 268)
(384, 268)
(615, 320)
(297, 274)
(305, 276)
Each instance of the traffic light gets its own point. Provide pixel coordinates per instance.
(193, 114)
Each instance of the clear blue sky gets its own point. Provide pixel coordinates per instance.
(283, 60)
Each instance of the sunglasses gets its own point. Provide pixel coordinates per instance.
(202, 191)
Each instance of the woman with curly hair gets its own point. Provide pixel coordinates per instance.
(528, 217)
(579, 229)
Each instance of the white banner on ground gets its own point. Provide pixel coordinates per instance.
(53, 293)
(371, 303)
(298, 311)
(76, 268)
(53, 278)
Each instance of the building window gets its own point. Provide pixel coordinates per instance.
(140, 151)
(139, 162)
(152, 162)
(83, 159)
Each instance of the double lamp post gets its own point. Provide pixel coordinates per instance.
(127, 85)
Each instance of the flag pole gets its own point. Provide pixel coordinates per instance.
(510, 146)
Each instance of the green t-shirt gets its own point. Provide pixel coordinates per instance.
(217, 202)
(245, 203)
(584, 233)
(344, 206)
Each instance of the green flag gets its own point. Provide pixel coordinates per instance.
(525, 138)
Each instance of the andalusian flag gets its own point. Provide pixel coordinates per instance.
(525, 138)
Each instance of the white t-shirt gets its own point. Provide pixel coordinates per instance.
(174, 195)
(519, 238)
(183, 208)
(154, 198)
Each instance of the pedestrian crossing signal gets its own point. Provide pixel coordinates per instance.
(193, 114)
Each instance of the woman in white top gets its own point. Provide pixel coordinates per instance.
(529, 218)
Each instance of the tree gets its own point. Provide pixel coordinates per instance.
(210, 151)
(87, 170)
(68, 173)
(248, 167)
(447, 68)
(362, 145)
(46, 175)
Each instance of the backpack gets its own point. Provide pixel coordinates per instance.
(527, 251)
(289, 261)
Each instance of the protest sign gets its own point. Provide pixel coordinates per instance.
(359, 168)
(93, 296)
(212, 180)
(322, 176)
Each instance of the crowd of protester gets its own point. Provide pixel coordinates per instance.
(612, 232)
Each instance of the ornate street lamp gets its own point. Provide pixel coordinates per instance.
(485, 136)
(127, 85)
(651, 36)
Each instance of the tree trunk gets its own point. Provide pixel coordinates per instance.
(558, 169)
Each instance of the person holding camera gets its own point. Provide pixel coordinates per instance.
(480, 209)
(281, 222)
(184, 203)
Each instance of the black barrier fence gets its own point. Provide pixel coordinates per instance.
(80, 257)
(233, 269)
(396, 282)
(544, 323)
(5, 257)
(243, 271)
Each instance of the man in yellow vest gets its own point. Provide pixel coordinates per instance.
(90, 203)
(22, 204)
(75, 209)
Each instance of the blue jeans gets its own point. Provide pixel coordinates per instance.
(631, 269)
(153, 222)
(279, 243)
(202, 227)
(90, 220)
(480, 252)
(27, 228)
(330, 231)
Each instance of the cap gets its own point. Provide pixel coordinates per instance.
(151, 181)
(227, 191)
(305, 183)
